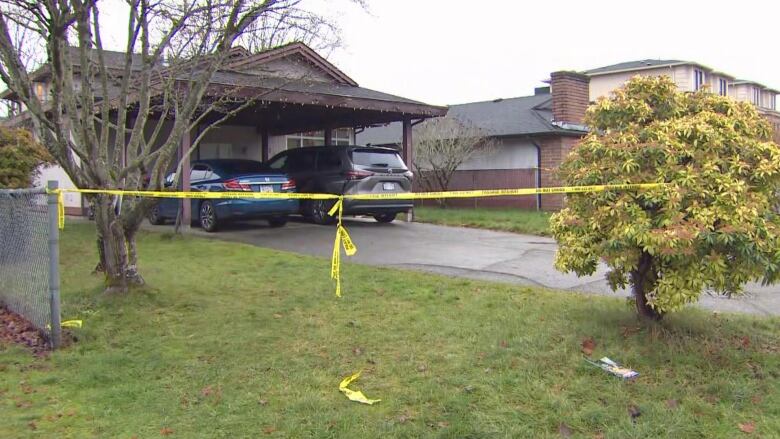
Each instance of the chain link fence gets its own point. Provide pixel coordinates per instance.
(27, 285)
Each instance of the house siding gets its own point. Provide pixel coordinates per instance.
(509, 153)
(227, 141)
(489, 179)
(604, 85)
(73, 202)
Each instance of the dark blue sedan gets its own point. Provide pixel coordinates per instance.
(229, 175)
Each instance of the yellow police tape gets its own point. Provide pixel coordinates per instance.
(342, 237)
(68, 324)
(355, 395)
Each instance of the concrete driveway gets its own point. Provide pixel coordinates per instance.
(455, 251)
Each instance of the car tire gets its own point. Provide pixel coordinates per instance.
(385, 217)
(277, 222)
(207, 216)
(318, 211)
(154, 216)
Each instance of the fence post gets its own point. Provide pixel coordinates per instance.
(54, 266)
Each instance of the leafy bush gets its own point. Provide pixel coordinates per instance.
(20, 157)
(713, 227)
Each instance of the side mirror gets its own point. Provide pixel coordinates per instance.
(169, 180)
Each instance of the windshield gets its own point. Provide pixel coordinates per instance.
(377, 158)
(243, 167)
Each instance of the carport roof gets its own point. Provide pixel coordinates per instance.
(251, 81)
(297, 90)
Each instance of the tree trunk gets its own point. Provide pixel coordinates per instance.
(111, 238)
(131, 274)
(642, 281)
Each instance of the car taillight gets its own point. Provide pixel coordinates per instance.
(234, 185)
(288, 185)
(357, 175)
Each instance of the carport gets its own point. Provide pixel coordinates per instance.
(291, 89)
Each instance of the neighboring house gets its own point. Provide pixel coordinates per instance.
(301, 99)
(533, 134)
(689, 76)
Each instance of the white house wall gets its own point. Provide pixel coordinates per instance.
(604, 85)
(228, 141)
(55, 172)
(510, 153)
(276, 144)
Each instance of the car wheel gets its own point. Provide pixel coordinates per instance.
(385, 217)
(154, 216)
(318, 211)
(208, 217)
(277, 222)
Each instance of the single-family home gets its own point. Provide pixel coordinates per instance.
(298, 98)
(534, 133)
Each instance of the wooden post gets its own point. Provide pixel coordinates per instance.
(407, 153)
(186, 207)
(264, 144)
(328, 136)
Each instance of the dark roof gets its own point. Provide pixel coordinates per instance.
(239, 79)
(113, 59)
(521, 116)
(508, 117)
(634, 65)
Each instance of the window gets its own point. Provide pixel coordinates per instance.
(200, 172)
(773, 102)
(377, 158)
(242, 167)
(341, 136)
(756, 96)
(698, 79)
(40, 91)
(328, 160)
(279, 163)
(301, 161)
(723, 87)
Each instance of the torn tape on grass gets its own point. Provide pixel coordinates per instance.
(355, 395)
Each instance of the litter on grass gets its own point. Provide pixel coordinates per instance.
(614, 368)
(355, 395)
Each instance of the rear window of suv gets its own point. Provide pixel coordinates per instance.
(376, 158)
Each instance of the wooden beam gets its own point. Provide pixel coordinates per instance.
(186, 206)
(407, 152)
(264, 144)
(328, 136)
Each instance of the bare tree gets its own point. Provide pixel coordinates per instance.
(442, 145)
(119, 123)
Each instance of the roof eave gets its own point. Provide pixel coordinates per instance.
(657, 66)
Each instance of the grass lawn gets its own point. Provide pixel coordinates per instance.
(234, 341)
(507, 220)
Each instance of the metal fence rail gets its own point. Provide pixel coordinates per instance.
(27, 285)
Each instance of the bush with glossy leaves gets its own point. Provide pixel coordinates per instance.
(713, 226)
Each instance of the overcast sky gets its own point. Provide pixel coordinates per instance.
(453, 51)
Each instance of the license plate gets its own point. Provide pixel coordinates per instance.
(266, 188)
(388, 186)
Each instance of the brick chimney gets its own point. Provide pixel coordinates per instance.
(570, 96)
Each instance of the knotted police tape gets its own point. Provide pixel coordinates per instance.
(342, 237)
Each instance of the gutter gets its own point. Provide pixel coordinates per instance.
(538, 172)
